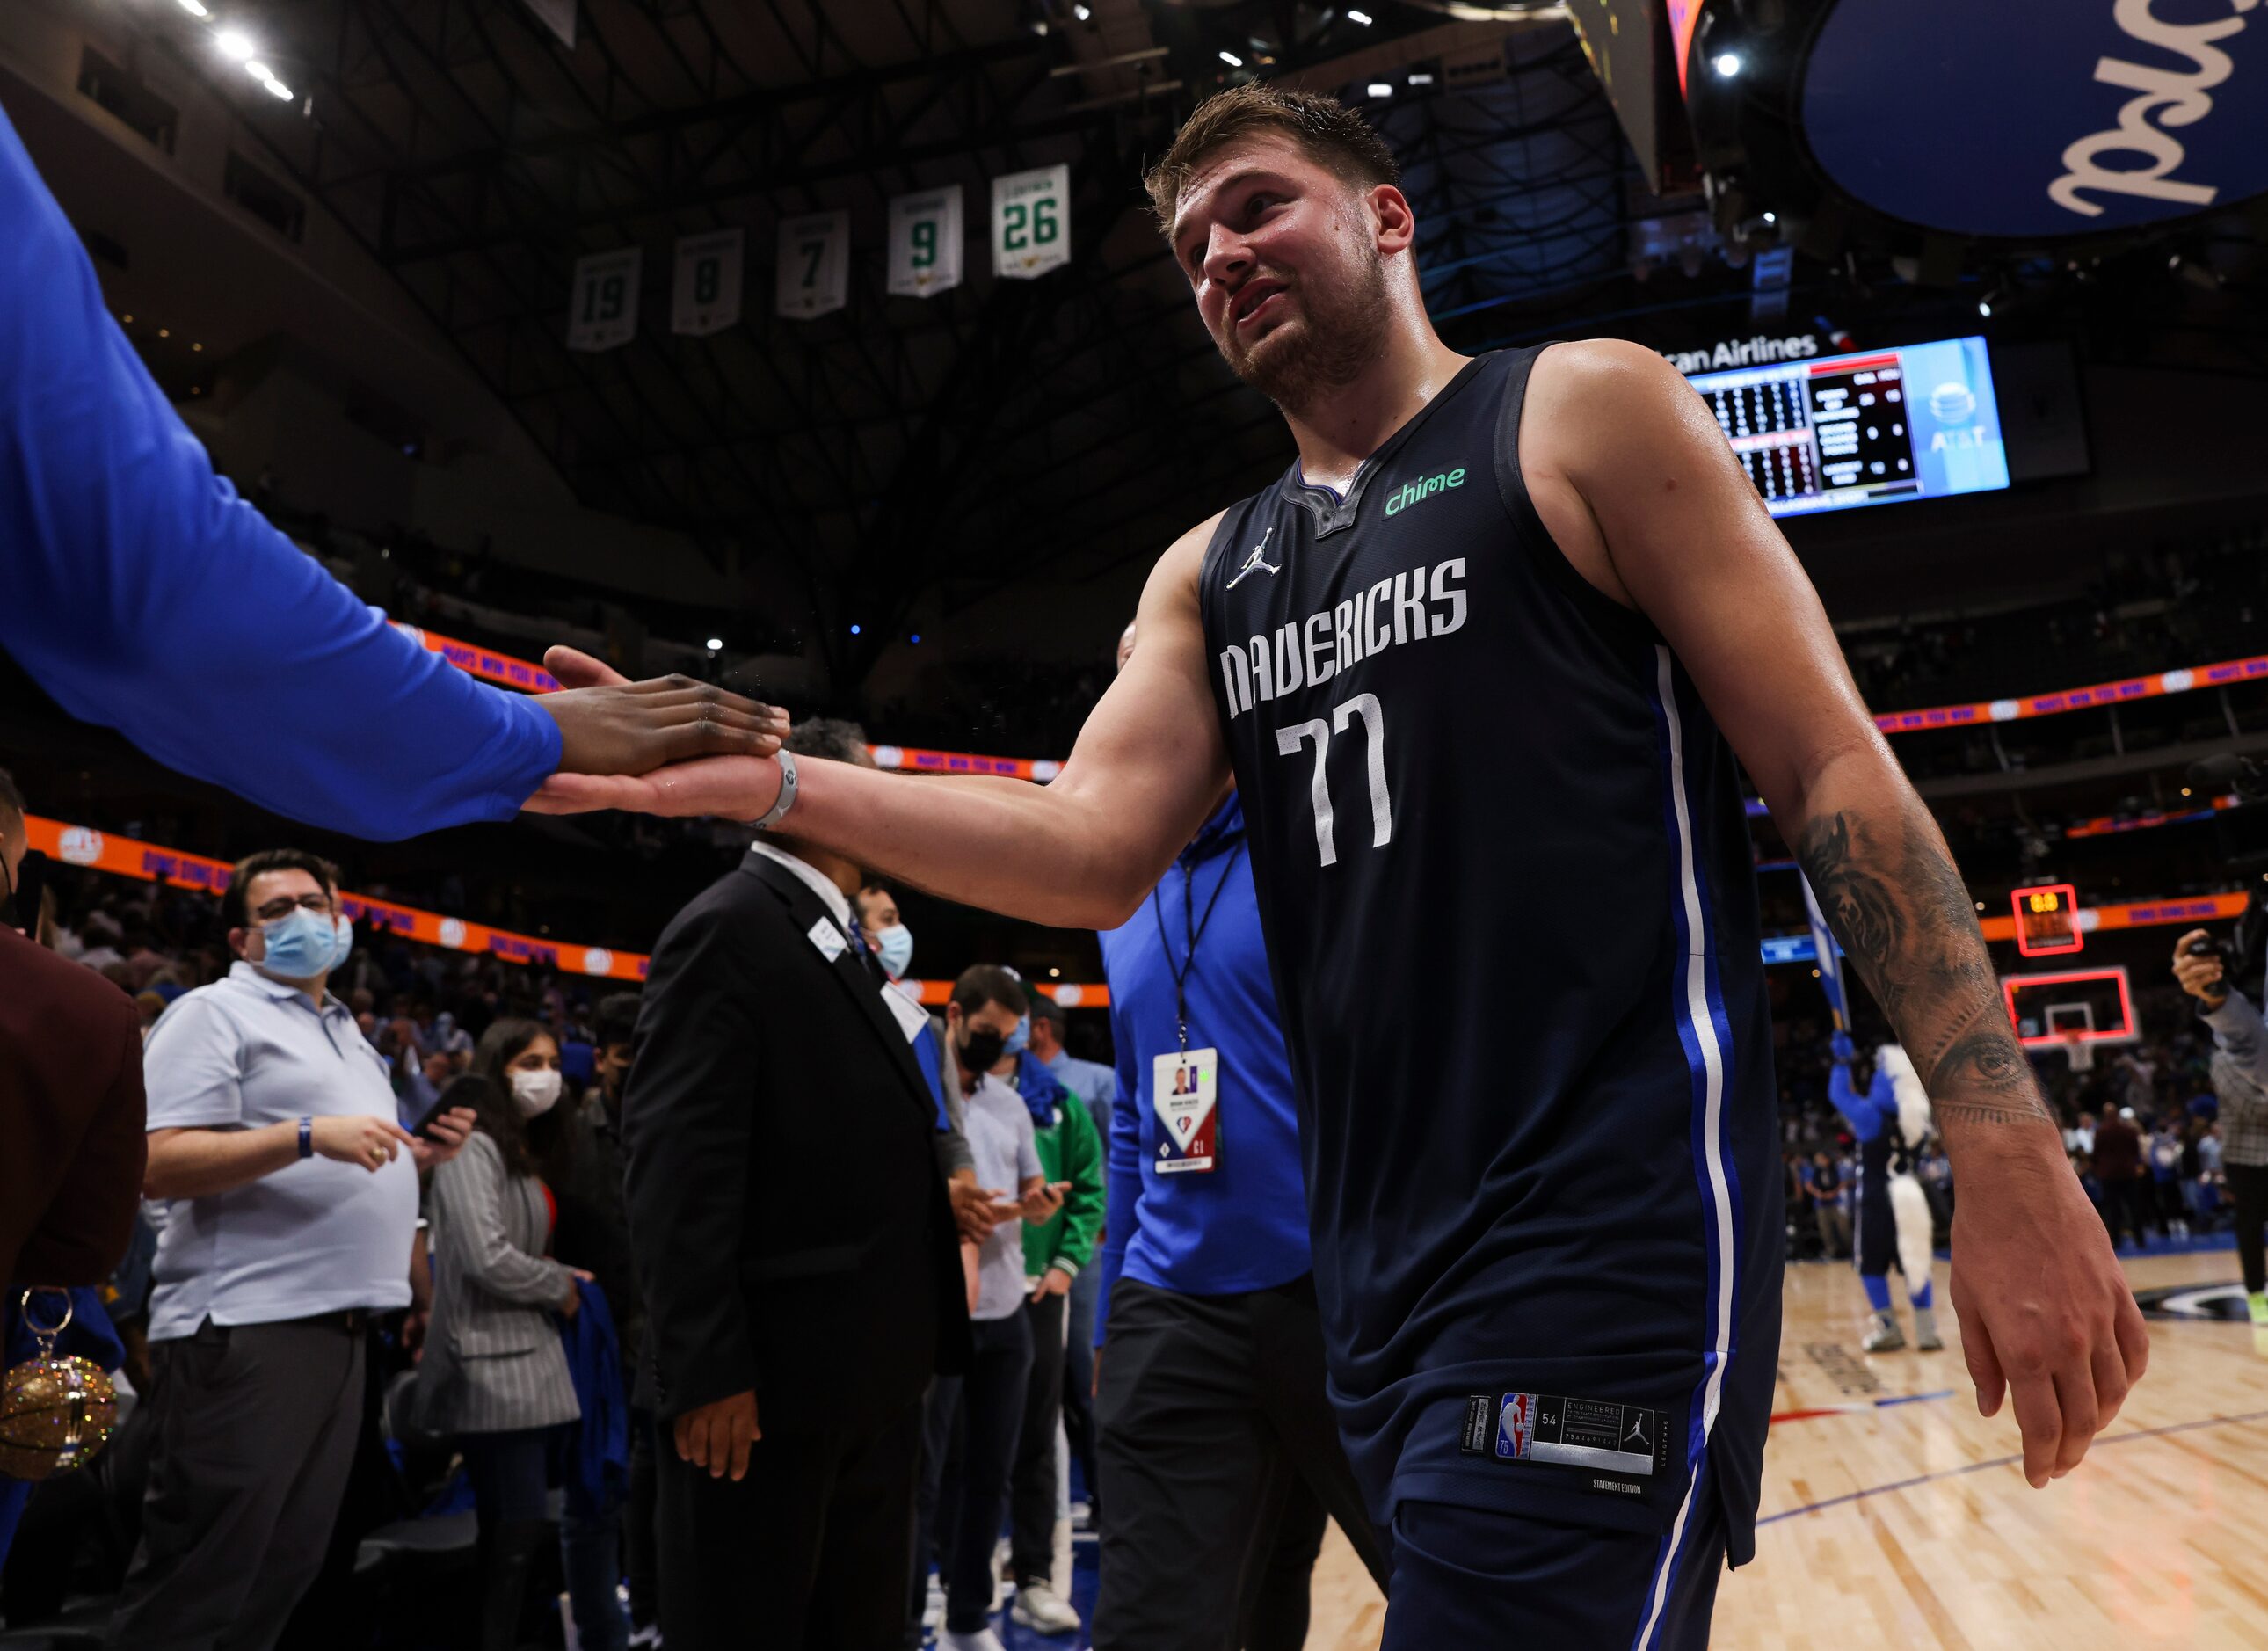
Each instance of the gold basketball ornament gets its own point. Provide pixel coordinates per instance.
(56, 1412)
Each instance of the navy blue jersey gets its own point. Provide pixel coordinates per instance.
(1505, 877)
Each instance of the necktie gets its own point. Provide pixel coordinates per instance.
(865, 953)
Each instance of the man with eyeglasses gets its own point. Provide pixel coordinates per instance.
(290, 1199)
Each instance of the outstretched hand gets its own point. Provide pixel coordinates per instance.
(611, 725)
(2046, 1317)
(720, 745)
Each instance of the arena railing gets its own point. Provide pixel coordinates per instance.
(91, 849)
(508, 672)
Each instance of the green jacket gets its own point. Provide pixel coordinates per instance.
(1071, 1149)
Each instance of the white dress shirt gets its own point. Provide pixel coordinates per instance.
(813, 878)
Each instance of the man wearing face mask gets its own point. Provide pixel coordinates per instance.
(891, 942)
(963, 1494)
(292, 1208)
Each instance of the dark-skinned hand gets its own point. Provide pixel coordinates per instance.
(621, 727)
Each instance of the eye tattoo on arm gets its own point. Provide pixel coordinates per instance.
(1892, 896)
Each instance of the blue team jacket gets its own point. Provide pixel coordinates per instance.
(143, 594)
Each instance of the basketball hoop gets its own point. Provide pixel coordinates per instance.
(2078, 1050)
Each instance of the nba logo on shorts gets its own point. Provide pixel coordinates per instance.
(1515, 1431)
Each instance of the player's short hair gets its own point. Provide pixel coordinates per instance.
(12, 807)
(981, 984)
(235, 914)
(1331, 134)
(615, 1019)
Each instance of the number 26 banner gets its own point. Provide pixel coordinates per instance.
(1031, 222)
(926, 242)
(815, 264)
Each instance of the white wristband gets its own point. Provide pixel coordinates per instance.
(785, 800)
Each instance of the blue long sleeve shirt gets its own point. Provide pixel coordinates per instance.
(1242, 1226)
(142, 593)
(1868, 1114)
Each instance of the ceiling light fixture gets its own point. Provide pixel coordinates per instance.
(195, 8)
(1727, 64)
(1231, 59)
(235, 43)
(1362, 17)
(1380, 89)
(1081, 13)
(716, 645)
(277, 87)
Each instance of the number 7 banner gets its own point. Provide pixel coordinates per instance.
(925, 239)
(1031, 222)
(815, 264)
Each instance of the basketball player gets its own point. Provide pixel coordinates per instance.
(1889, 1115)
(1472, 653)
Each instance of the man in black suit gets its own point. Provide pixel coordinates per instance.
(795, 1245)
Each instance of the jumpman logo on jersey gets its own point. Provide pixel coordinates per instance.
(1257, 563)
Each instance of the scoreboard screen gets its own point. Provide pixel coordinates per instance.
(1879, 428)
(2047, 920)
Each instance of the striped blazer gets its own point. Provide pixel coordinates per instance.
(493, 1358)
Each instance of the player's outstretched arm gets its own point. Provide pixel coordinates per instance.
(1080, 853)
(1636, 482)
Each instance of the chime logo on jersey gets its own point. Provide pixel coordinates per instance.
(1417, 492)
(1256, 561)
(1411, 607)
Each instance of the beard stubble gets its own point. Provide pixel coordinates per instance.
(1343, 331)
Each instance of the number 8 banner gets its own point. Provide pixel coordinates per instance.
(926, 237)
(706, 298)
(814, 265)
(1031, 222)
(602, 304)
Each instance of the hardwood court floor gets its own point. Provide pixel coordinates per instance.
(1908, 1524)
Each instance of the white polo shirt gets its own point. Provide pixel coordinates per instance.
(316, 1237)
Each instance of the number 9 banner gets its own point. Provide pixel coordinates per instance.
(602, 304)
(706, 296)
(1031, 222)
(815, 264)
(925, 239)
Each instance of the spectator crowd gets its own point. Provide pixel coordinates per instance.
(382, 1328)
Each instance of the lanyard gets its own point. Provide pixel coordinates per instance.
(1194, 928)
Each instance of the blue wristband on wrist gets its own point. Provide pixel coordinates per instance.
(306, 1137)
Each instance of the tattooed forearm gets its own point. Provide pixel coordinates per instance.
(1890, 892)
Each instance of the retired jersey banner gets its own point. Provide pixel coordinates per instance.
(602, 304)
(814, 265)
(1031, 222)
(925, 239)
(706, 296)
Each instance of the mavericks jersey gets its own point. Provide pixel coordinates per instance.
(1503, 873)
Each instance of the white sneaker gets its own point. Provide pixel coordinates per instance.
(1041, 1607)
(982, 1640)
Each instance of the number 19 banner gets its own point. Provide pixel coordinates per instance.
(1031, 222)
(926, 237)
(706, 296)
(815, 264)
(602, 304)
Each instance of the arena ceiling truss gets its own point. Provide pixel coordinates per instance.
(900, 446)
